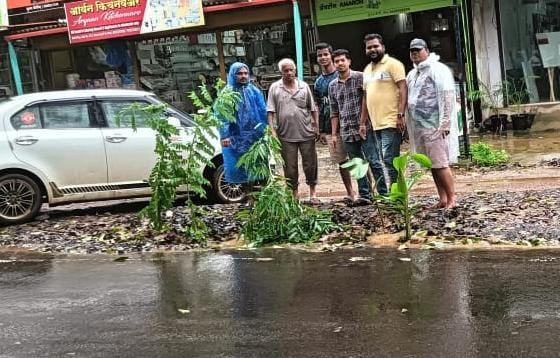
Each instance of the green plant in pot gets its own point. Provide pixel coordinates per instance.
(491, 97)
(517, 96)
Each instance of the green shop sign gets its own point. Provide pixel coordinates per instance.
(337, 11)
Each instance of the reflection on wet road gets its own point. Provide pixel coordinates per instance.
(279, 303)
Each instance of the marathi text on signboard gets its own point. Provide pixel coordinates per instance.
(95, 20)
(339, 11)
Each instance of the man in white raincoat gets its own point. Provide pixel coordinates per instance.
(432, 118)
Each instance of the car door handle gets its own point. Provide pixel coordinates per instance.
(26, 140)
(115, 139)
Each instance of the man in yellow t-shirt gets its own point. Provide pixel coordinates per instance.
(385, 102)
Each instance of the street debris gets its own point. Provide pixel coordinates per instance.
(528, 219)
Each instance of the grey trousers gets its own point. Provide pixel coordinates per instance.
(308, 161)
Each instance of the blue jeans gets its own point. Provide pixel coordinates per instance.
(389, 146)
(367, 150)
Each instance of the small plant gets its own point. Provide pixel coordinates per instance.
(489, 97)
(178, 162)
(359, 168)
(516, 94)
(399, 197)
(277, 216)
(258, 157)
(483, 155)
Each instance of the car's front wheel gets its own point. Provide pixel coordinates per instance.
(223, 191)
(20, 198)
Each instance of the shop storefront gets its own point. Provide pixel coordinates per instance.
(344, 23)
(174, 66)
(516, 43)
(530, 34)
(173, 62)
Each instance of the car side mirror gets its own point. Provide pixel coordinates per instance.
(174, 121)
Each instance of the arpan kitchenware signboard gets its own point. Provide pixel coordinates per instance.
(95, 20)
(337, 11)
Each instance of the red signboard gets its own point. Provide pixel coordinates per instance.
(95, 20)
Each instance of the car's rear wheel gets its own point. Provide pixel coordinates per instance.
(223, 191)
(20, 198)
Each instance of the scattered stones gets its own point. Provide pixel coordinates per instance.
(555, 162)
(530, 218)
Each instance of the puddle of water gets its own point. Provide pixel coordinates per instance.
(525, 148)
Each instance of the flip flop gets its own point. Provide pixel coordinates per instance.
(362, 202)
(314, 201)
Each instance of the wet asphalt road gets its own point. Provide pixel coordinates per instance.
(280, 303)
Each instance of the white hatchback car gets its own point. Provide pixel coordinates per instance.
(65, 147)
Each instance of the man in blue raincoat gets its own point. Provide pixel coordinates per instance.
(251, 120)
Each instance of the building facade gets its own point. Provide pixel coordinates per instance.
(516, 44)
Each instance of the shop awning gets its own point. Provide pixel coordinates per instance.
(36, 31)
(231, 5)
(209, 6)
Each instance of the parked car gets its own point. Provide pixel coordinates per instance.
(65, 147)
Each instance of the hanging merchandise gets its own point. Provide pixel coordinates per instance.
(172, 67)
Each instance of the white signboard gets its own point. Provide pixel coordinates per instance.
(3, 14)
(549, 47)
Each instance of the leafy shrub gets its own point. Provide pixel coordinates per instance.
(485, 156)
(178, 163)
(276, 215)
(279, 217)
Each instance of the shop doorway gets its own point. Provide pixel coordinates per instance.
(58, 64)
(435, 26)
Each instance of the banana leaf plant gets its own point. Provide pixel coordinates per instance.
(359, 168)
(399, 197)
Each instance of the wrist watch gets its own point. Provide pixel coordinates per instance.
(400, 115)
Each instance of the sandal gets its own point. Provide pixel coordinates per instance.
(362, 202)
(314, 201)
(348, 200)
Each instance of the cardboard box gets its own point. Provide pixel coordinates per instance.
(207, 38)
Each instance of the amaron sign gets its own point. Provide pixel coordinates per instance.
(95, 20)
(338, 11)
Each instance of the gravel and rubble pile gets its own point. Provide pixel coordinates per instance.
(529, 217)
(554, 162)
